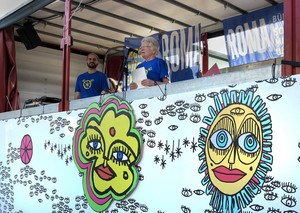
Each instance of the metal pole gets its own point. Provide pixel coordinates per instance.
(204, 53)
(65, 44)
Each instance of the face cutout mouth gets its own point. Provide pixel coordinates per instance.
(227, 175)
(105, 173)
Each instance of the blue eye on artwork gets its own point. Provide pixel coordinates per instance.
(221, 139)
(95, 145)
(248, 142)
(120, 156)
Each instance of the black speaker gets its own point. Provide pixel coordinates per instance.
(29, 36)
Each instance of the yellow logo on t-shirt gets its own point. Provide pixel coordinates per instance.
(148, 70)
(87, 84)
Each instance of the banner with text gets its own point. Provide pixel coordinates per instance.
(256, 36)
(179, 48)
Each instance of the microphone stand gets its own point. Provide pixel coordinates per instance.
(124, 71)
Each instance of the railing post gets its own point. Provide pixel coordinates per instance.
(65, 44)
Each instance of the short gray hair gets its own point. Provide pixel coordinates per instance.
(154, 44)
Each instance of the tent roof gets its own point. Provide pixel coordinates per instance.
(99, 25)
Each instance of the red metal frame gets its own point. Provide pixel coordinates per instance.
(291, 36)
(65, 44)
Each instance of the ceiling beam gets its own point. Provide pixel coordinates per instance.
(197, 12)
(74, 40)
(272, 2)
(23, 12)
(93, 23)
(231, 6)
(47, 23)
(57, 47)
(136, 7)
(121, 18)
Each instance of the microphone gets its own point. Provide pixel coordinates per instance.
(29, 101)
(132, 50)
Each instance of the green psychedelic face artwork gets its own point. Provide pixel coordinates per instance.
(236, 148)
(106, 147)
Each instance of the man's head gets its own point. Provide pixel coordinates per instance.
(92, 60)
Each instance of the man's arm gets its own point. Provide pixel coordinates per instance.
(77, 95)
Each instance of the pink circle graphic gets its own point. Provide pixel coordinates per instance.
(26, 149)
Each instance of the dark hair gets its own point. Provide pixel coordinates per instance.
(94, 55)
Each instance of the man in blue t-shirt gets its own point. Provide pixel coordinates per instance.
(92, 82)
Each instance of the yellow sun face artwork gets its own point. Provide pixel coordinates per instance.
(236, 148)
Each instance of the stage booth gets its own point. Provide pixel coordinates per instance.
(202, 145)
